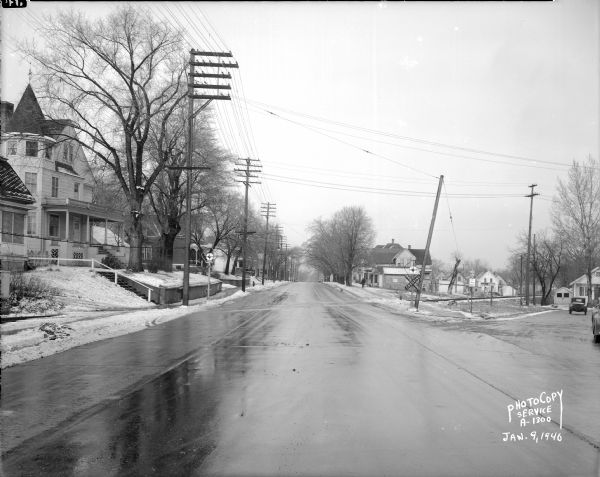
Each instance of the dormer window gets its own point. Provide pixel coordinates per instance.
(31, 148)
(48, 151)
(68, 153)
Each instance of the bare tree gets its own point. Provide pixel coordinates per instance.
(576, 214)
(475, 265)
(168, 194)
(339, 245)
(118, 79)
(547, 260)
(226, 215)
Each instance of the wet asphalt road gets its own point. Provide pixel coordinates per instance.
(305, 380)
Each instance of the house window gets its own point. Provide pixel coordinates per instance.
(31, 182)
(31, 223)
(76, 190)
(566, 295)
(31, 148)
(68, 153)
(13, 227)
(12, 148)
(48, 151)
(581, 291)
(53, 226)
(55, 187)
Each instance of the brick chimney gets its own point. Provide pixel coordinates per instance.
(392, 240)
(409, 247)
(6, 112)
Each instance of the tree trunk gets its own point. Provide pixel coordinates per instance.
(167, 243)
(135, 247)
(227, 263)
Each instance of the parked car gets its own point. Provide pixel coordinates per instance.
(578, 303)
(596, 323)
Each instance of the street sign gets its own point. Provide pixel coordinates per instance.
(210, 256)
(472, 282)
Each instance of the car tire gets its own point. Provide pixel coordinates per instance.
(570, 312)
(596, 338)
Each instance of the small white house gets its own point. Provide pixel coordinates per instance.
(579, 286)
(562, 296)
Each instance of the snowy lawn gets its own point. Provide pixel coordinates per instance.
(444, 310)
(73, 289)
(169, 279)
(82, 299)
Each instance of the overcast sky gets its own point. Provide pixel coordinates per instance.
(368, 103)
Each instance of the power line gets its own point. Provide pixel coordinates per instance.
(412, 139)
(408, 193)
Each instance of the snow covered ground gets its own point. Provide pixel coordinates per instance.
(169, 279)
(90, 308)
(444, 310)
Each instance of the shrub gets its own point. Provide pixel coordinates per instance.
(112, 262)
(23, 285)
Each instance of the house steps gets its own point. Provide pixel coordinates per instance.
(123, 283)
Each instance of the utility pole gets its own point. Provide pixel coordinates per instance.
(215, 95)
(528, 263)
(437, 200)
(534, 268)
(286, 275)
(248, 172)
(521, 282)
(267, 210)
(276, 266)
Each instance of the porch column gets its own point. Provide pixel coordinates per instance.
(88, 231)
(105, 231)
(67, 234)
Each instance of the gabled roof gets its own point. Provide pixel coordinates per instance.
(583, 278)
(419, 253)
(383, 254)
(11, 185)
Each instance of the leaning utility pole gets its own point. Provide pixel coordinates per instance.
(247, 173)
(534, 268)
(266, 210)
(424, 265)
(192, 85)
(528, 263)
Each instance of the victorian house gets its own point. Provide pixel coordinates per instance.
(54, 169)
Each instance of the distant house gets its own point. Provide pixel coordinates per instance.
(15, 202)
(391, 265)
(47, 157)
(579, 286)
(488, 281)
